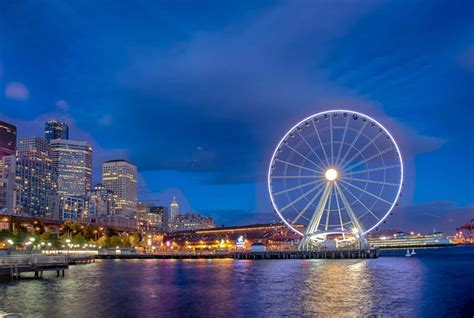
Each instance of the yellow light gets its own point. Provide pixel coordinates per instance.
(331, 174)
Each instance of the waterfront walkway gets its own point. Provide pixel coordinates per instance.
(322, 254)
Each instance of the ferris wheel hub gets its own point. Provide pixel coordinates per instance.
(331, 174)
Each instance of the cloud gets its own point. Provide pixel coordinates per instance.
(16, 91)
(437, 215)
(466, 58)
(62, 105)
(105, 120)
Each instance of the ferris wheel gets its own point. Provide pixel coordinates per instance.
(339, 173)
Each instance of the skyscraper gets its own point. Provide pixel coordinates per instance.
(7, 148)
(174, 210)
(73, 161)
(56, 130)
(101, 202)
(120, 176)
(35, 175)
(7, 139)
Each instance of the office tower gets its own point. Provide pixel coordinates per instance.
(56, 130)
(7, 148)
(101, 202)
(9, 188)
(120, 176)
(174, 209)
(35, 175)
(73, 161)
(7, 141)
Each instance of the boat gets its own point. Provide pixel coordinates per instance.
(408, 254)
(413, 251)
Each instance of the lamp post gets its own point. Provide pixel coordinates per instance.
(68, 241)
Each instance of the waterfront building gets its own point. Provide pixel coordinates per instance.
(156, 217)
(120, 176)
(101, 202)
(118, 222)
(35, 178)
(55, 130)
(191, 222)
(276, 237)
(72, 208)
(73, 161)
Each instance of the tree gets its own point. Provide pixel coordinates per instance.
(115, 241)
(79, 239)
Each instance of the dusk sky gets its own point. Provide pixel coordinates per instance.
(199, 93)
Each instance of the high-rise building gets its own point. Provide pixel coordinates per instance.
(73, 161)
(7, 141)
(56, 130)
(7, 148)
(36, 176)
(101, 202)
(174, 209)
(120, 176)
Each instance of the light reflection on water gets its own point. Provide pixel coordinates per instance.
(438, 284)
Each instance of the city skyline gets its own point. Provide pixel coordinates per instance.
(210, 147)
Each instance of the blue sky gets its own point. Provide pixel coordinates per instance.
(197, 94)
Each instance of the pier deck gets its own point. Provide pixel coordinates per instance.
(323, 254)
(14, 266)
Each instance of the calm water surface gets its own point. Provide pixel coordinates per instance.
(434, 283)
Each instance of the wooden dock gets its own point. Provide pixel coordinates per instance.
(14, 266)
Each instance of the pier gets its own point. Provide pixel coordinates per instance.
(321, 254)
(14, 265)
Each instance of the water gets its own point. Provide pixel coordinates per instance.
(434, 283)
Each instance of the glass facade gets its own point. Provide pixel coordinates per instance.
(73, 161)
(56, 130)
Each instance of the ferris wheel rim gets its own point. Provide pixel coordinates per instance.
(269, 175)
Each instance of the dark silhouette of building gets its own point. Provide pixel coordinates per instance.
(7, 139)
(56, 130)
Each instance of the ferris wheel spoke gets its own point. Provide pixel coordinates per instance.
(372, 181)
(307, 206)
(353, 143)
(349, 210)
(321, 143)
(293, 177)
(297, 166)
(298, 187)
(358, 200)
(331, 133)
(371, 142)
(306, 158)
(299, 198)
(340, 212)
(342, 142)
(372, 169)
(329, 211)
(318, 211)
(370, 158)
(367, 192)
(312, 149)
